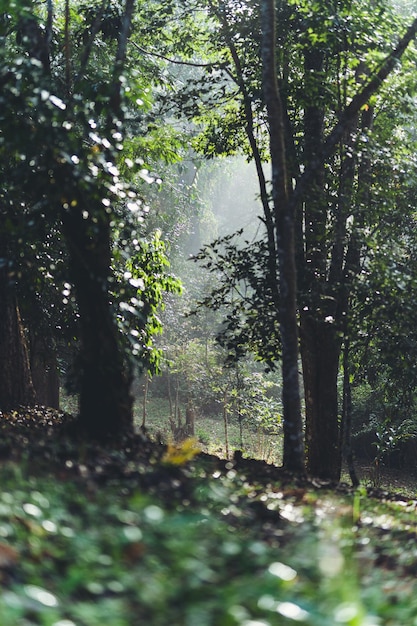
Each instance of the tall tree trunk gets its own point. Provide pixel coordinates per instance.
(321, 341)
(320, 352)
(284, 222)
(145, 399)
(324, 290)
(323, 285)
(16, 386)
(105, 403)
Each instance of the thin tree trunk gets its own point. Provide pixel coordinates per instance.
(171, 405)
(238, 405)
(67, 50)
(145, 400)
(347, 417)
(225, 423)
(190, 420)
(268, 217)
(284, 222)
(177, 414)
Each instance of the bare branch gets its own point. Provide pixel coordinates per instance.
(174, 61)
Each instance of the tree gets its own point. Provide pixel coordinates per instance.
(47, 141)
(285, 247)
(383, 340)
(327, 124)
(62, 121)
(330, 258)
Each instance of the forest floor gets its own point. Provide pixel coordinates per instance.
(167, 536)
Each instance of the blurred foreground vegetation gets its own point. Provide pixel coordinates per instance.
(94, 536)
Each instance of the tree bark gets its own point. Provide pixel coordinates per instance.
(320, 353)
(105, 403)
(284, 223)
(322, 290)
(16, 388)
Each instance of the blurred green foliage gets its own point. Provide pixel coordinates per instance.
(221, 550)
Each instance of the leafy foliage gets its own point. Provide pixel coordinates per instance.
(143, 283)
(245, 293)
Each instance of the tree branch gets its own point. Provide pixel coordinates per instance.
(88, 48)
(174, 61)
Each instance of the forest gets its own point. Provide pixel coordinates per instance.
(208, 268)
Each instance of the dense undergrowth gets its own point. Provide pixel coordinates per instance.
(93, 537)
